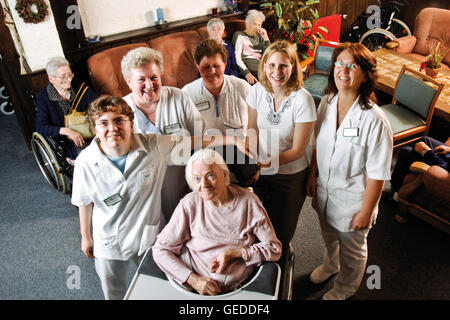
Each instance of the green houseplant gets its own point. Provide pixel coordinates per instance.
(294, 21)
(432, 63)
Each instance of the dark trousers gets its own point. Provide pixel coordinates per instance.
(238, 163)
(407, 155)
(282, 195)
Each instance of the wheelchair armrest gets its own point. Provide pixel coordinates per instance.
(149, 267)
(266, 279)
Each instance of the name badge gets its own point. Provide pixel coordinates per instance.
(203, 105)
(112, 200)
(172, 128)
(351, 132)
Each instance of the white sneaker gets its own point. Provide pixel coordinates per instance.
(319, 275)
(334, 294)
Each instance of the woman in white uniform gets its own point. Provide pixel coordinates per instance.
(352, 152)
(117, 187)
(281, 119)
(221, 101)
(162, 110)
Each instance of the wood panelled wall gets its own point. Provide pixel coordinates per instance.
(77, 51)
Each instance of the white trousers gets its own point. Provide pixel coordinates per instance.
(346, 253)
(114, 275)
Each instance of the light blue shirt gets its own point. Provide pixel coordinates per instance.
(119, 162)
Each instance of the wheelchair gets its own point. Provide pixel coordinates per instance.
(268, 282)
(51, 158)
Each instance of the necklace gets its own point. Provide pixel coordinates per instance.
(273, 117)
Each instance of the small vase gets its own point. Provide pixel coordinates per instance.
(432, 72)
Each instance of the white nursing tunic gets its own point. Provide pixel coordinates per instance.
(361, 148)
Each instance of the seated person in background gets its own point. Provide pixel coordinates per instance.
(216, 28)
(160, 109)
(56, 100)
(428, 150)
(224, 228)
(221, 101)
(117, 188)
(249, 45)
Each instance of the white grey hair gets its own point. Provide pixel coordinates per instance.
(215, 22)
(139, 57)
(207, 156)
(254, 14)
(54, 63)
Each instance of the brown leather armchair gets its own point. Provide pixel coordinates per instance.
(431, 25)
(426, 195)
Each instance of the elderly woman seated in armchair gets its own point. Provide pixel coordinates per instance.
(224, 228)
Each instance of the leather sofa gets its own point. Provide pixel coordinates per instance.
(431, 25)
(178, 52)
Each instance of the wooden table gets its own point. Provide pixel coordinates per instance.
(389, 64)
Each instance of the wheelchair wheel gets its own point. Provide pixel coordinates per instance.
(3, 93)
(7, 108)
(399, 28)
(48, 163)
(376, 39)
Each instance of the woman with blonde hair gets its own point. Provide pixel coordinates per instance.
(282, 114)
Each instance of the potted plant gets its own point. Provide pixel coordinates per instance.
(432, 63)
(294, 21)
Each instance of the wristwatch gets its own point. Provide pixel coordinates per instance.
(244, 253)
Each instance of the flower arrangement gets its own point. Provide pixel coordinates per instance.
(433, 60)
(25, 10)
(295, 21)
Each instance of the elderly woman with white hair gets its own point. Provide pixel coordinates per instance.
(161, 110)
(216, 29)
(224, 228)
(56, 100)
(250, 44)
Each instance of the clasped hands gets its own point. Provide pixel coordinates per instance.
(421, 146)
(207, 286)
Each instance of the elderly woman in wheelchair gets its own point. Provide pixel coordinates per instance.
(224, 229)
(56, 146)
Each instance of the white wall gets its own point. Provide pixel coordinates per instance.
(40, 41)
(106, 17)
(102, 17)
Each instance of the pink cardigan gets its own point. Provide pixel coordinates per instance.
(206, 230)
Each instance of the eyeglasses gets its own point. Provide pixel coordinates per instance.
(68, 76)
(353, 66)
(118, 122)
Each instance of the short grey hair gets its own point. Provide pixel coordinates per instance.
(254, 14)
(207, 156)
(215, 22)
(54, 63)
(139, 57)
